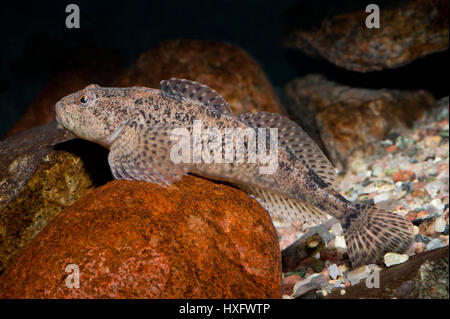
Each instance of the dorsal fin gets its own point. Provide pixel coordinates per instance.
(195, 91)
(293, 139)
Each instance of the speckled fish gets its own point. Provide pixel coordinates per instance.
(135, 124)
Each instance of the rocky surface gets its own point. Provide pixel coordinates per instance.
(425, 276)
(408, 175)
(138, 240)
(229, 70)
(349, 122)
(337, 32)
(39, 179)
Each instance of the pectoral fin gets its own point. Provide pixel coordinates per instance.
(142, 152)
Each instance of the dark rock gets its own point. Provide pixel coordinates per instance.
(37, 182)
(351, 120)
(337, 32)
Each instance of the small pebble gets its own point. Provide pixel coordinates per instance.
(391, 259)
(289, 283)
(434, 188)
(358, 166)
(435, 206)
(381, 198)
(432, 141)
(419, 247)
(391, 149)
(339, 242)
(356, 275)
(342, 270)
(403, 176)
(439, 224)
(435, 244)
(333, 271)
(309, 284)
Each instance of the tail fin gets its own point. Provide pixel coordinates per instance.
(371, 232)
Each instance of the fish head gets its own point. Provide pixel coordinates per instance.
(94, 113)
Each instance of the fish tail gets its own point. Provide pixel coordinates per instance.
(371, 232)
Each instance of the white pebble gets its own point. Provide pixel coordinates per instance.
(333, 271)
(358, 166)
(433, 188)
(391, 259)
(439, 224)
(435, 244)
(435, 207)
(339, 242)
(377, 171)
(381, 198)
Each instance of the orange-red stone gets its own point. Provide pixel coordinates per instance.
(403, 176)
(136, 240)
(226, 68)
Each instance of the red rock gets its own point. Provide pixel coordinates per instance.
(136, 240)
(330, 254)
(422, 214)
(427, 228)
(419, 247)
(418, 186)
(289, 283)
(391, 149)
(411, 216)
(409, 30)
(419, 193)
(403, 176)
(228, 69)
(443, 167)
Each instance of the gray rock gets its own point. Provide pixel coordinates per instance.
(434, 188)
(422, 238)
(310, 284)
(333, 271)
(435, 244)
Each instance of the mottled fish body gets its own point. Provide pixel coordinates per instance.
(136, 124)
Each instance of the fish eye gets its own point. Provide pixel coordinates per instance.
(84, 99)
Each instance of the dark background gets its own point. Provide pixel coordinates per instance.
(36, 45)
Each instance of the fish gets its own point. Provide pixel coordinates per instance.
(137, 125)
